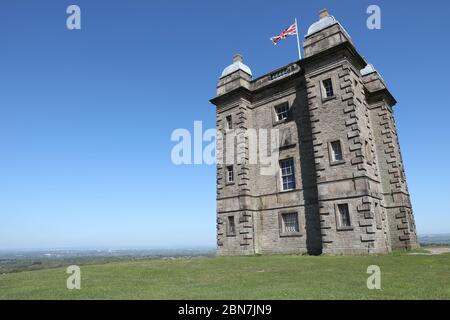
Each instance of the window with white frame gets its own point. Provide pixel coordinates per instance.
(287, 174)
(282, 111)
(231, 231)
(327, 88)
(336, 151)
(289, 222)
(344, 215)
(229, 122)
(230, 174)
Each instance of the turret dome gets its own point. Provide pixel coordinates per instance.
(325, 21)
(368, 69)
(237, 65)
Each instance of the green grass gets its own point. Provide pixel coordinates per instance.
(258, 277)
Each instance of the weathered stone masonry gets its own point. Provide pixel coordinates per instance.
(356, 202)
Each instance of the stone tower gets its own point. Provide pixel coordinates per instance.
(339, 186)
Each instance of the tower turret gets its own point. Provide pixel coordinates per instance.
(324, 34)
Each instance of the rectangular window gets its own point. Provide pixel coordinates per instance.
(282, 112)
(336, 151)
(378, 220)
(289, 222)
(287, 174)
(231, 226)
(327, 87)
(368, 151)
(229, 124)
(410, 220)
(344, 215)
(230, 174)
(402, 172)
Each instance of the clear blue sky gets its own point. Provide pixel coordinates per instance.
(86, 116)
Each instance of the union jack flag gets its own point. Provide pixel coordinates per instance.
(292, 30)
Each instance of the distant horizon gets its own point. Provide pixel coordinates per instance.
(118, 248)
(131, 248)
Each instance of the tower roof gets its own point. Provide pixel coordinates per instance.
(235, 66)
(370, 69)
(324, 22)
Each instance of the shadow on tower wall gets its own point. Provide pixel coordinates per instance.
(300, 114)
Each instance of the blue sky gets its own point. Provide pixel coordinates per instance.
(86, 116)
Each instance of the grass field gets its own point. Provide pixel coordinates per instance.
(403, 276)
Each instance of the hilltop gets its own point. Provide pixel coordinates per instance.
(403, 276)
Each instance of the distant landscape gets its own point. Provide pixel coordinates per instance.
(198, 274)
(435, 239)
(28, 260)
(404, 275)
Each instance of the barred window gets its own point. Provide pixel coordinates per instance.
(368, 151)
(229, 122)
(290, 222)
(336, 151)
(327, 87)
(401, 170)
(282, 111)
(231, 226)
(344, 215)
(378, 219)
(287, 174)
(230, 174)
(410, 220)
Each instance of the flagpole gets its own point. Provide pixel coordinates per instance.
(298, 41)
